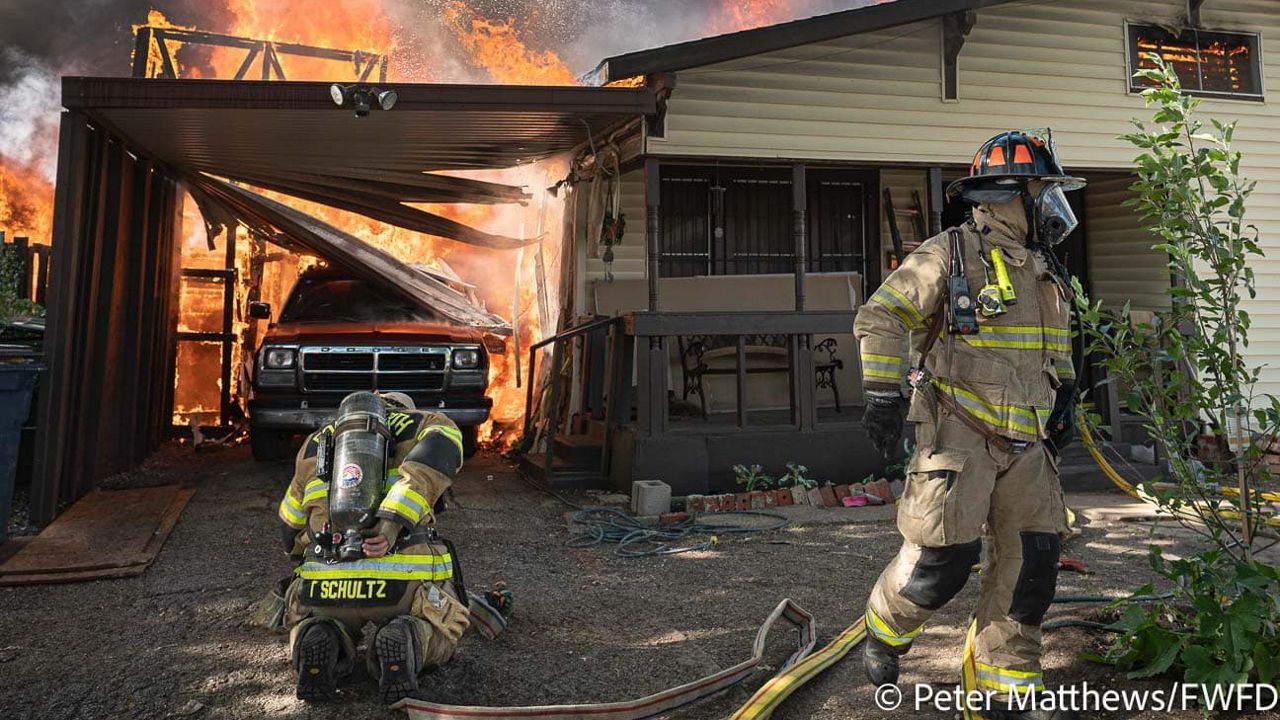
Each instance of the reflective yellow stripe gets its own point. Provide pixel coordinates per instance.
(882, 374)
(291, 513)
(1021, 337)
(888, 635)
(391, 567)
(448, 431)
(900, 305)
(316, 490)
(887, 367)
(1004, 680)
(1005, 417)
(405, 502)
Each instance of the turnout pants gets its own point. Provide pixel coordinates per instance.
(957, 484)
(431, 608)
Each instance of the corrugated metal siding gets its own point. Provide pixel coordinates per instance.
(1122, 265)
(876, 98)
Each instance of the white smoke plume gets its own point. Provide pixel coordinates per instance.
(29, 103)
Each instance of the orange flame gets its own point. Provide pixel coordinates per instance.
(492, 44)
(496, 46)
(26, 202)
(746, 14)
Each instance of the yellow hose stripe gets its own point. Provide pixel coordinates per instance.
(780, 687)
(1107, 469)
(969, 673)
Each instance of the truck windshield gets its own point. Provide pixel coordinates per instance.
(345, 300)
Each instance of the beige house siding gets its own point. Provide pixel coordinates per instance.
(1122, 265)
(876, 98)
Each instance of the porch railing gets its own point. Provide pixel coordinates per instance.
(638, 345)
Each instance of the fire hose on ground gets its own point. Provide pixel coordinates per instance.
(636, 539)
(1129, 489)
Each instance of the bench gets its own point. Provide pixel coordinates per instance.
(765, 353)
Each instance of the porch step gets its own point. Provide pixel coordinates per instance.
(1080, 473)
(580, 450)
(564, 475)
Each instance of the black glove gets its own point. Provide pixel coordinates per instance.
(883, 421)
(1062, 421)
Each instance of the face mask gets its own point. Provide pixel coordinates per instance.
(1054, 219)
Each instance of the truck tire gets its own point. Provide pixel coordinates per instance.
(469, 440)
(268, 445)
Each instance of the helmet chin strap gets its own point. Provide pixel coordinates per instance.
(1029, 207)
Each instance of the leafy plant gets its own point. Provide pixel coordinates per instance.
(14, 305)
(1184, 373)
(753, 477)
(797, 475)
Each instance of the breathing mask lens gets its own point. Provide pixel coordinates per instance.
(1054, 219)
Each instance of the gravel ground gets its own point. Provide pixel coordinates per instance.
(589, 626)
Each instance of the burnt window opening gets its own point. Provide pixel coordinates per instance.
(1212, 64)
(739, 221)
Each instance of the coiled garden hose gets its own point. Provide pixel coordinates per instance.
(638, 539)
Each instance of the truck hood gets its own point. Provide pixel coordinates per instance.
(348, 333)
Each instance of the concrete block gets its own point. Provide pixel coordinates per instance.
(650, 497)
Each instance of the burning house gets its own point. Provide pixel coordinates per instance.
(678, 247)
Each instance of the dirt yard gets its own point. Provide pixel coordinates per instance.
(589, 626)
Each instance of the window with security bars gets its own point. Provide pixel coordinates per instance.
(1214, 64)
(738, 221)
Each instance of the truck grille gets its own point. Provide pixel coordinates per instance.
(347, 369)
(337, 361)
(414, 361)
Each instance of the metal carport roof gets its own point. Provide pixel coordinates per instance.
(125, 144)
(226, 127)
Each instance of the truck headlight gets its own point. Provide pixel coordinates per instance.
(278, 358)
(468, 359)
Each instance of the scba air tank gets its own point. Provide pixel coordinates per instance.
(360, 442)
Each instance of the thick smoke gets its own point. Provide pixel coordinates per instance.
(41, 40)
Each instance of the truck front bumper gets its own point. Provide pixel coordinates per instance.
(278, 416)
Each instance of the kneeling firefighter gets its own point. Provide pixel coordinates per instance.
(986, 308)
(358, 517)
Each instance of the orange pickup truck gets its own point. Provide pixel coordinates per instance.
(336, 335)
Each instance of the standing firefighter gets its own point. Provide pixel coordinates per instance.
(986, 309)
(358, 517)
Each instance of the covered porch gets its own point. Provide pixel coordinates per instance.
(680, 378)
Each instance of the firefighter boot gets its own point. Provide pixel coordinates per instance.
(398, 655)
(880, 662)
(315, 657)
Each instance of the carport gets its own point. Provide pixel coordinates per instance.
(128, 146)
